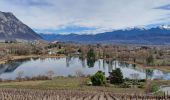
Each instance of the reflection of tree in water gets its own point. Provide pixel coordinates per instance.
(42, 59)
(36, 58)
(149, 73)
(91, 58)
(134, 66)
(115, 64)
(110, 66)
(109, 62)
(99, 64)
(104, 63)
(130, 66)
(123, 64)
(90, 62)
(82, 61)
(68, 59)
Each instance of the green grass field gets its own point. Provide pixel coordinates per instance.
(65, 83)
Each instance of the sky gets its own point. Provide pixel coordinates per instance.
(88, 16)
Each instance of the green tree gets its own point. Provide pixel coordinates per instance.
(98, 79)
(116, 76)
(91, 58)
(150, 60)
(91, 54)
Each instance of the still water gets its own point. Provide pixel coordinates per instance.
(69, 67)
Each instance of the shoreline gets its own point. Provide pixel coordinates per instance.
(12, 58)
(162, 68)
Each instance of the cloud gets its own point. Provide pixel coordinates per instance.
(28, 3)
(164, 7)
(67, 30)
(99, 15)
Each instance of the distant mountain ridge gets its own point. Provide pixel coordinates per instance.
(152, 36)
(12, 28)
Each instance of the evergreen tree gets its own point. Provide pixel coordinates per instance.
(116, 76)
(91, 58)
(91, 54)
(150, 60)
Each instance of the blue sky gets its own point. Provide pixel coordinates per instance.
(88, 16)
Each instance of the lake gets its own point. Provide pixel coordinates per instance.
(69, 66)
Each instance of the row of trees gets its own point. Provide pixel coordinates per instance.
(21, 49)
(92, 56)
(143, 56)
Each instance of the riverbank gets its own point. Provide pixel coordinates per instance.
(162, 68)
(13, 57)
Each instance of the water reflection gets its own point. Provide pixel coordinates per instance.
(68, 60)
(11, 65)
(90, 62)
(149, 73)
(69, 66)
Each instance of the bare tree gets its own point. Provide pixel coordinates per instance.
(50, 74)
(20, 75)
(79, 73)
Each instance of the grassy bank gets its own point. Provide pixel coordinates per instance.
(67, 83)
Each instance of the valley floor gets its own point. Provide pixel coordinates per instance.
(66, 83)
(75, 83)
(71, 88)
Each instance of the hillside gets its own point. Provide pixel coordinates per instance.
(12, 28)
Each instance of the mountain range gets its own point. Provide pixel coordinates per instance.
(153, 36)
(12, 28)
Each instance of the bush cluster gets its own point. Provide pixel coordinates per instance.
(116, 77)
(98, 79)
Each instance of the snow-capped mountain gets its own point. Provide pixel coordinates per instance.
(158, 35)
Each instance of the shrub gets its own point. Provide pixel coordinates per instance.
(116, 76)
(142, 80)
(127, 79)
(141, 86)
(89, 83)
(125, 85)
(154, 88)
(98, 79)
